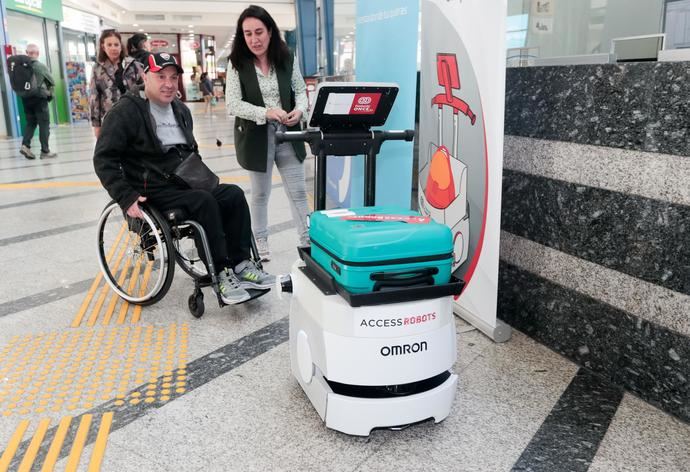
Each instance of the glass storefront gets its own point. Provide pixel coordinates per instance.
(344, 38)
(561, 28)
(80, 55)
(209, 48)
(540, 30)
(190, 51)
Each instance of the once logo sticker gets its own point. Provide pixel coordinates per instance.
(364, 100)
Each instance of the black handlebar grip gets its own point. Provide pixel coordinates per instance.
(287, 136)
(402, 135)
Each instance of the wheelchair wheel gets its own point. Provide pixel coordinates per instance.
(196, 303)
(187, 256)
(136, 255)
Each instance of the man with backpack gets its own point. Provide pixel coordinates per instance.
(32, 81)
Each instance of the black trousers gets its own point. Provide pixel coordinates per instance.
(223, 213)
(36, 111)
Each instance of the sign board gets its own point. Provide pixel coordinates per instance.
(78, 20)
(462, 95)
(51, 9)
(159, 43)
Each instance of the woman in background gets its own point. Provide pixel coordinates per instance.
(266, 92)
(108, 82)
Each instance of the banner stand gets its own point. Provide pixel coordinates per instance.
(499, 333)
(461, 116)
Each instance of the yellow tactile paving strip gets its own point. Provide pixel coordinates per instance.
(75, 455)
(103, 358)
(61, 372)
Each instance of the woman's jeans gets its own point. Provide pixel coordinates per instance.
(292, 172)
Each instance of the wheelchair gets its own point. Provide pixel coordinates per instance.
(138, 256)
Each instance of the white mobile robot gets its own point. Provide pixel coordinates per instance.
(368, 360)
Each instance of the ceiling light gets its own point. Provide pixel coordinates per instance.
(135, 24)
(141, 30)
(190, 26)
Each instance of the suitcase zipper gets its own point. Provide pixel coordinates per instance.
(405, 260)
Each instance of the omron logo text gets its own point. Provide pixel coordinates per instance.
(399, 350)
(364, 100)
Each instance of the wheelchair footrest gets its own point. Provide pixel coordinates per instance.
(254, 293)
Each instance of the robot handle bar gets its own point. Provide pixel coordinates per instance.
(309, 136)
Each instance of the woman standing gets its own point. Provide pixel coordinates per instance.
(206, 91)
(108, 83)
(266, 92)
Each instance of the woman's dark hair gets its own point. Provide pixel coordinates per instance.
(203, 76)
(278, 52)
(134, 43)
(102, 56)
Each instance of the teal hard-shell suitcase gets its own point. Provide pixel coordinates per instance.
(365, 256)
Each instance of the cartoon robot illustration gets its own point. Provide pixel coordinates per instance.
(443, 179)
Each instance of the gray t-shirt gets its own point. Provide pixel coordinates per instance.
(167, 129)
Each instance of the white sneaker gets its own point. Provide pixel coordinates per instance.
(229, 287)
(264, 251)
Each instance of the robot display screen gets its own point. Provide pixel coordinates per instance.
(352, 105)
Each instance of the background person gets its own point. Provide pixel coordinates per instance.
(137, 51)
(265, 91)
(206, 91)
(36, 108)
(108, 82)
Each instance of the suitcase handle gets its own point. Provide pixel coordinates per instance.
(403, 279)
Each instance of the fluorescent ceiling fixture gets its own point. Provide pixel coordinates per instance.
(135, 24)
(141, 29)
(190, 26)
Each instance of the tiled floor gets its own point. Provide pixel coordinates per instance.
(254, 416)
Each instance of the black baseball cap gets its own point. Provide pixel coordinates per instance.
(157, 61)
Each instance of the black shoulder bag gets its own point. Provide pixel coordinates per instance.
(193, 173)
(190, 173)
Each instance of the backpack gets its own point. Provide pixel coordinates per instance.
(22, 77)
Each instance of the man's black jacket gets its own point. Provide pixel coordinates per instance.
(128, 151)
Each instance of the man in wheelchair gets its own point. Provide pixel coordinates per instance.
(143, 140)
